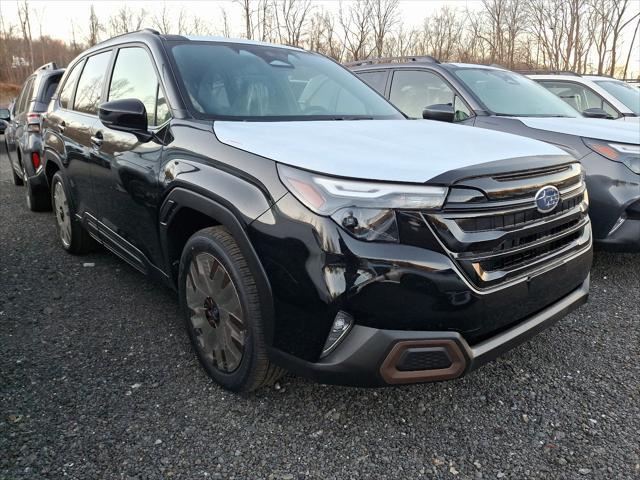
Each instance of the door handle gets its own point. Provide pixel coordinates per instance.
(62, 126)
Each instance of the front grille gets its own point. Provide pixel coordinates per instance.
(505, 236)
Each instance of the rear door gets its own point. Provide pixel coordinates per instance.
(75, 121)
(126, 175)
(18, 122)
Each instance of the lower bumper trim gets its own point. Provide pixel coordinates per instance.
(369, 357)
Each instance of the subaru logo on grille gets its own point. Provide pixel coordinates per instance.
(547, 198)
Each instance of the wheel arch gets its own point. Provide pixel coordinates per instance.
(185, 212)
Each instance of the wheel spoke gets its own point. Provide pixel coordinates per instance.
(216, 312)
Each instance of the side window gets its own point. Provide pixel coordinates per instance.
(579, 96)
(413, 90)
(69, 84)
(25, 96)
(134, 77)
(90, 83)
(376, 80)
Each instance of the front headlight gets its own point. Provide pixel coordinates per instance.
(626, 153)
(364, 209)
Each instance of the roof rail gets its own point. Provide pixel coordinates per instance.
(408, 58)
(548, 72)
(142, 30)
(47, 66)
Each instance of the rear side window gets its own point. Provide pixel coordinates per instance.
(134, 77)
(49, 87)
(67, 90)
(376, 80)
(90, 84)
(25, 96)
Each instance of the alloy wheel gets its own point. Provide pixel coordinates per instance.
(215, 311)
(61, 209)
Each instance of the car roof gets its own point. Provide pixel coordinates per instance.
(148, 35)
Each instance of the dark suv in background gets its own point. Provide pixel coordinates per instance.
(304, 222)
(23, 135)
(493, 98)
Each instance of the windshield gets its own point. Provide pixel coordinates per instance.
(624, 92)
(237, 81)
(507, 93)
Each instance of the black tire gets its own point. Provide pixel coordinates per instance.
(38, 200)
(17, 179)
(254, 369)
(76, 240)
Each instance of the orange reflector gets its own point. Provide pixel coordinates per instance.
(308, 192)
(605, 150)
(35, 159)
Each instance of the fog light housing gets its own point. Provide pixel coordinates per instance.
(342, 323)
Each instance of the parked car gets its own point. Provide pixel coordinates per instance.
(5, 117)
(614, 98)
(497, 99)
(304, 222)
(23, 136)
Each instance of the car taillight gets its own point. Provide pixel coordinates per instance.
(33, 122)
(35, 159)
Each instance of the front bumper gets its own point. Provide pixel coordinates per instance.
(614, 203)
(371, 357)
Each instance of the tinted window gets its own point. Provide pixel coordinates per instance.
(90, 83)
(413, 90)
(25, 96)
(245, 81)
(49, 87)
(134, 77)
(376, 80)
(624, 92)
(67, 90)
(511, 94)
(578, 96)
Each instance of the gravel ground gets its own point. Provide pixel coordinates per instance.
(97, 380)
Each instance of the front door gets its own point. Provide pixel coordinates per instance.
(127, 170)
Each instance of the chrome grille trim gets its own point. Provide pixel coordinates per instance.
(500, 240)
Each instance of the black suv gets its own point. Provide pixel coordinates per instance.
(304, 222)
(497, 99)
(23, 135)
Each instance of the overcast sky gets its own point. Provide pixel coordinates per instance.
(59, 14)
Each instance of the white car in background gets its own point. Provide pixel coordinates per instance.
(618, 99)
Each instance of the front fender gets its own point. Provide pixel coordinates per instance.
(180, 198)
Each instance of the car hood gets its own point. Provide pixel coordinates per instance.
(392, 150)
(587, 127)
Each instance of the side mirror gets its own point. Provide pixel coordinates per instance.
(595, 113)
(126, 115)
(3, 123)
(441, 111)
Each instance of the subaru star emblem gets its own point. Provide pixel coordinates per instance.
(547, 198)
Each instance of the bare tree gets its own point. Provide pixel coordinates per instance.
(631, 48)
(25, 26)
(247, 15)
(357, 29)
(292, 17)
(618, 25)
(94, 27)
(162, 20)
(384, 17)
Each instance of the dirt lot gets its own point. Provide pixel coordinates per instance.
(98, 380)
